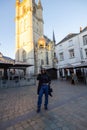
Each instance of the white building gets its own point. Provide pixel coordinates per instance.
(71, 52)
(83, 44)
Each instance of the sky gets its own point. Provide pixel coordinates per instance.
(61, 16)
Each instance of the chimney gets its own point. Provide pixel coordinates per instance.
(80, 29)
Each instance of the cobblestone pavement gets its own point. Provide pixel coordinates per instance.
(67, 108)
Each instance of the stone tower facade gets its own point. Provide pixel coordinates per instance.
(29, 28)
(45, 53)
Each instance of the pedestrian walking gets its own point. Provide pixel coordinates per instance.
(74, 79)
(43, 88)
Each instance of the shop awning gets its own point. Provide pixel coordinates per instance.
(17, 65)
(5, 65)
(82, 65)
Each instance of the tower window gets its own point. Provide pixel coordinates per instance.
(24, 9)
(47, 61)
(42, 62)
(54, 54)
(24, 56)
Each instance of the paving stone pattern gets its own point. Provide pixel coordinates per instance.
(67, 108)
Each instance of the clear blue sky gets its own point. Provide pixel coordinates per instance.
(62, 16)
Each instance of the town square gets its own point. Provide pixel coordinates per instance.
(43, 65)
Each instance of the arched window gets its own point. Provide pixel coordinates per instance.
(47, 60)
(17, 55)
(24, 56)
(24, 9)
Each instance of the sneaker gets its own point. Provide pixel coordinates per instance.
(38, 110)
(45, 108)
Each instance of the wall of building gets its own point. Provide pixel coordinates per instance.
(82, 46)
(68, 64)
(64, 48)
(29, 27)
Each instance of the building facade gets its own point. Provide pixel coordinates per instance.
(83, 44)
(45, 53)
(72, 52)
(29, 29)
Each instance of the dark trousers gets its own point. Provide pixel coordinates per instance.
(72, 82)
(43, 90)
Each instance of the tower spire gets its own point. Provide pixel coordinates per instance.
(39, 4)
(54, 38)
(33, 1)
(17, 2)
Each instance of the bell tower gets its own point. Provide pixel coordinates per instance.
(29, 28)
(24, 32)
